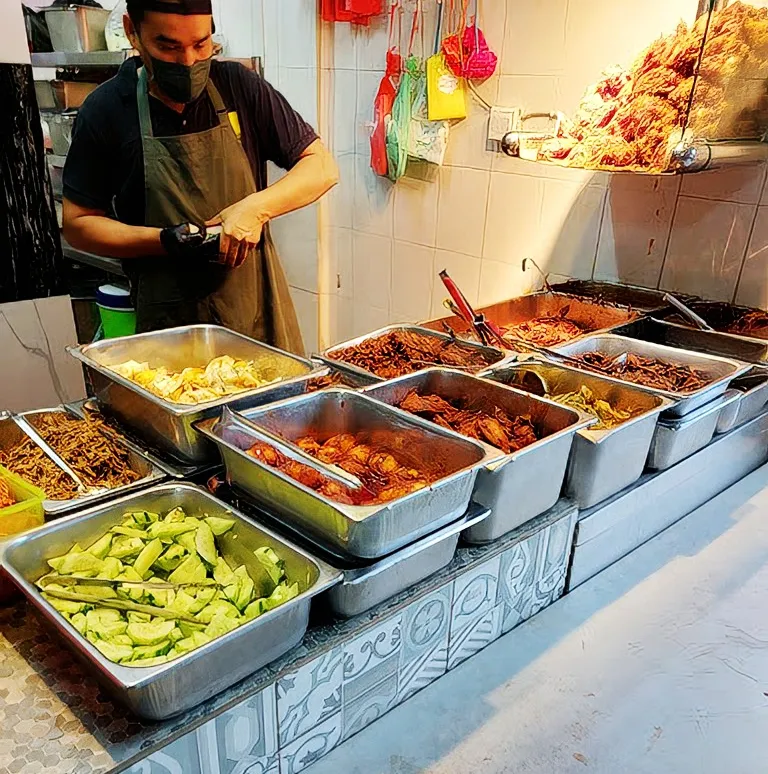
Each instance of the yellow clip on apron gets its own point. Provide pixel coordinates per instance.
(190, 178)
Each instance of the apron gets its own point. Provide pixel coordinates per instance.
(189, 179)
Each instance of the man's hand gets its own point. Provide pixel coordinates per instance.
(187, 241)
(241, 226)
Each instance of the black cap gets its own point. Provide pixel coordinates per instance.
(182, 7)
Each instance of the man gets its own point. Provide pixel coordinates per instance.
(177, 143)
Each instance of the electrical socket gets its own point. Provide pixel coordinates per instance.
(503, 120)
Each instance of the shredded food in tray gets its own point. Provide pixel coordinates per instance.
(754, 323)
(650, 372)
(96, 458)
(547, 331)
(221, 377)
(401, 352)
(505, 432)
(384, 478)
(6, 498)
(585, 400)
(29, 461)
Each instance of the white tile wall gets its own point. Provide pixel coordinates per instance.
(486, 211)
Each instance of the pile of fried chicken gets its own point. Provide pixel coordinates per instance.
(384, 478)
(505, 432)
(631, 119)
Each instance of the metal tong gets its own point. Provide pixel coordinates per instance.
(699, 322)
(293, 452)
(488, 331)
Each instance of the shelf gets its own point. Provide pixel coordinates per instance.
(687, 157)
(109, 265)
(73, 59)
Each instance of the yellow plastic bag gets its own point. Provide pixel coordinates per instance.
(446, 94)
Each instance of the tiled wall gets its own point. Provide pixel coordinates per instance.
(307, 712)
(706, 234)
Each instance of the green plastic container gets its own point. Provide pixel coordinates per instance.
(118, 317)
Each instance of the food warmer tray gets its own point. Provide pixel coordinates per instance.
(641, 299)
(677, 439)
(602, 462)
(516, 487)
(166, 424)
(329, 356)
(12, 432)
(717, 314)
(367, 532)
(751, 391)
(709, 342)
(366, 584)
(722, 370)
(169, 689)
(592, 315)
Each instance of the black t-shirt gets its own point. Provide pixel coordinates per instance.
(105, 165)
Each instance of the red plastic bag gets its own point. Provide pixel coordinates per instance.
(355, 11)
(382, 110)
(467, 53)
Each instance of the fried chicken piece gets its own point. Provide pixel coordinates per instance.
(490, 430)
(267, 454)
(335, 448)
(382, 463)
(308, 445)
(310, 477)
(424, 404)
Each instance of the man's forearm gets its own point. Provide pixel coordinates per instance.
(309, 179)
(104, 236)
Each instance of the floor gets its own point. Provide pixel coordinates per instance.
(657, 665)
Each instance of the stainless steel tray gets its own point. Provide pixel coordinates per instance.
(671, 335)
(167, 424)
(593, 316)
(602, 462)
(675, 440)
(371, 531)
(751, 393)
(518, 486)
(641, 299)
(722, 370)
(329, 356)
(170, 689)
(363, 588)
(718, 314)
(12, 433)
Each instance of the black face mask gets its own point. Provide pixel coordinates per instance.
(179, 82)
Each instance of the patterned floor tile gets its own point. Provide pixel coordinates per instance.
(245, 737)
(475, 636)
(474, 594)
(311, 747)
(308, 696)
(426, 625)
(517, 581)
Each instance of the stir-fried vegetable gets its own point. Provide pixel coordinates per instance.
(152, 589)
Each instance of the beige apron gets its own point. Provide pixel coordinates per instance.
(190, 178)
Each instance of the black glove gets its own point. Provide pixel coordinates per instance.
(190, 242)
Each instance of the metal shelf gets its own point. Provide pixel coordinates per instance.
(73, 59)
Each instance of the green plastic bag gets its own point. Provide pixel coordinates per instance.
(399, 123)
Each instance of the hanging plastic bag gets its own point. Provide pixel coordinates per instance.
(453, 44)
(399, 125)
(446, 92)
(385, 97)
(467, 53)
(427, 140)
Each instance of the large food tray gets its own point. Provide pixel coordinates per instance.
(516, 487)
(721, 370)
(751, 393)
(370, 531)
(169, 689)
(602, 462)
(592, 316)
(331, 356)
(677, 439)
(164, 423)
(12, 432)
(641, 299)
(709, 342)
(718, 314)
